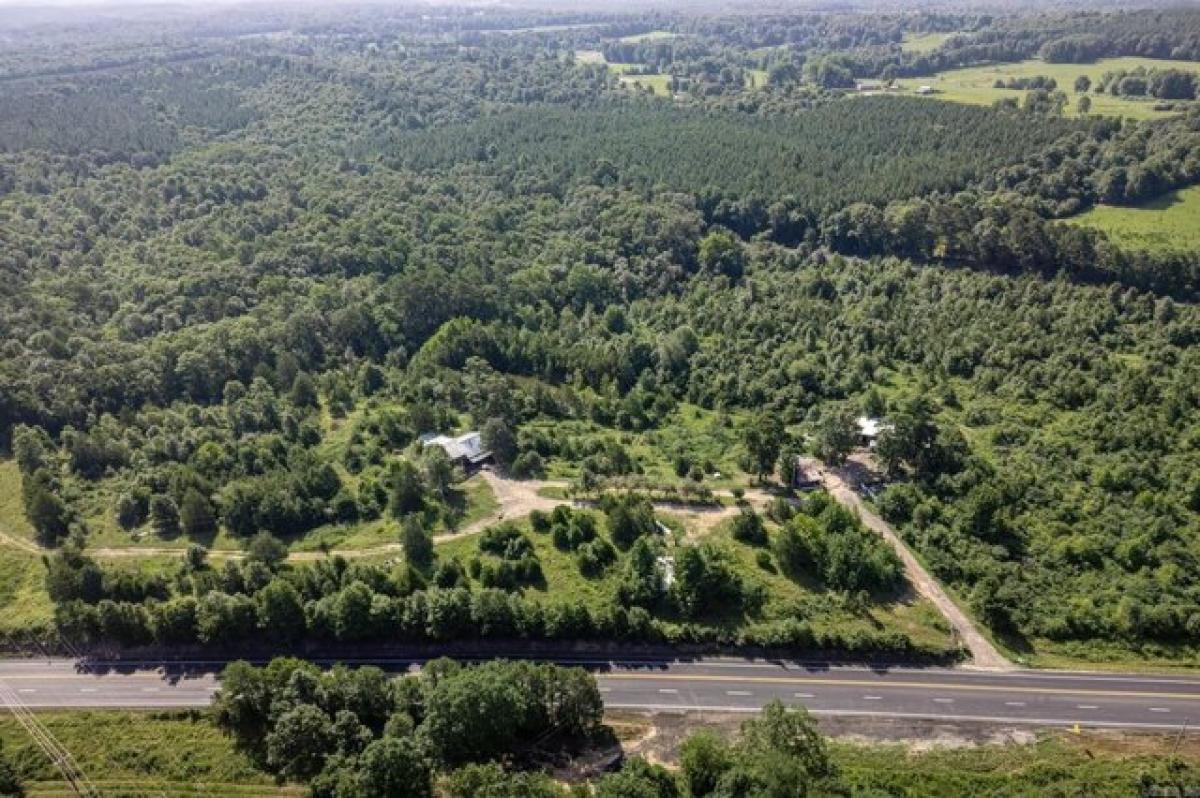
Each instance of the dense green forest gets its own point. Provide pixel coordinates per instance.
(249, 261)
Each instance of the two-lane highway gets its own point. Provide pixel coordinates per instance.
(719, 685)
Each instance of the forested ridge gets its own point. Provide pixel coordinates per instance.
(238, 286)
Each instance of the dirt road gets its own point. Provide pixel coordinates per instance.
(984, 655)
(516, 499)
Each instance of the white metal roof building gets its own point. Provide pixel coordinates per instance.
(466, 448)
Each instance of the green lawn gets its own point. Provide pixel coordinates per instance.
(1169, 223)
(973, 85)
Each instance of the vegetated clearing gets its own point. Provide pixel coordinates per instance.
(974, 85)
(140, 753)
(1169, 223)
(183, 753)
(924, 42)
(651, 36)
(802, 599)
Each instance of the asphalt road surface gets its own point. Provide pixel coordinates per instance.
(718, 685)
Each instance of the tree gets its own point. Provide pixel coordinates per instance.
(439, 470)
(498, 438)
(164, 515)
(47, 514)
(474, 715)
(394, 767)
(638, 779)
(266, 549)
(789, 731)
(703, 759)
(196, 516)
(748, 528)
(836, 435)
(417, 543)
(1085, 104)
(628, 519)
(195, 557)
(299, 742)
(703, 580)
(763, 438)
(304, 392)
(280, 612)
(408, 491)
(720, 252)
(493, 781)
(1082, 84)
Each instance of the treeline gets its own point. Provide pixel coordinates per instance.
(358, 732)
(1054, 37)
(434, 599)
(463, 731)
(1162, 84)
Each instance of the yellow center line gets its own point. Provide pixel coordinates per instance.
(882, 685)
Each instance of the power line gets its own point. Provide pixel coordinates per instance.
(55, 751)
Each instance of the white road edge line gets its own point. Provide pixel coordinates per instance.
(1115, 724)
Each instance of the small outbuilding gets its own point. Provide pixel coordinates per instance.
(465, 451)
(869, 430)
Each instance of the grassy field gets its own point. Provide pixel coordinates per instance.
(176, 754)
(24, 604)
(652, 36)
(973, 85)
(470, 501)
(1169, 223)
(140, 753)
(12, 508)
(1062, 764)
(659, 85)
(923, 42)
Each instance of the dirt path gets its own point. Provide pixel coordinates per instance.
(984, 655)
(14, 542)
(516, 499)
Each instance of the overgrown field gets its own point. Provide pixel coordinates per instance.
(1170, 223)
(140, 753)
(178, 754)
